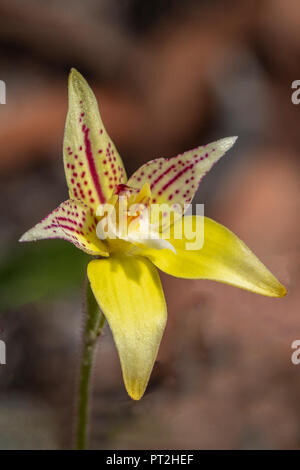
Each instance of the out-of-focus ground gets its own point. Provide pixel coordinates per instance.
(168, 78)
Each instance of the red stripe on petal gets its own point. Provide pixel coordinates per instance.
(91, 162)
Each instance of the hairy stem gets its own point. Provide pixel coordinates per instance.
(93, 327)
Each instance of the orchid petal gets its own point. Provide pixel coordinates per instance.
(129, 292)
(223, 257)
(92, 164)
(72, 221)
(175, 180)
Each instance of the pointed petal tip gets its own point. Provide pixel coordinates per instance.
(280, 292)
(73, 72)
(135, 396)
(30, 236)
(227, 142)
(26, 237)
(134, 392)
(274, 288)
(74, 76)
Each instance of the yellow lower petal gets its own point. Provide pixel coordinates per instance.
(129, 292)
(223, 257)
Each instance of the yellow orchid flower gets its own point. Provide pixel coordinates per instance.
(123, 277)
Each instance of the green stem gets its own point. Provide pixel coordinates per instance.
(93, 327)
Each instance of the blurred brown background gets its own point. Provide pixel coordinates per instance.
(169, 75)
